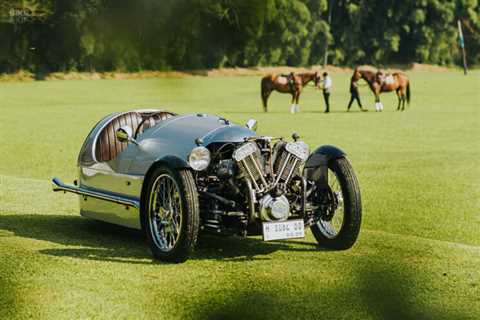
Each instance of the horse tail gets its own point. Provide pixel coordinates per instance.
(408, 92)
(264, 90)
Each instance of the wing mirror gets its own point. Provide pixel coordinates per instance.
(125, 134)
(251, 124)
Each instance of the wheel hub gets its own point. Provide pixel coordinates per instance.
(165, 212)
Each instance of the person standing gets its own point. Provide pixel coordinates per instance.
(354, 95)
(326, 87)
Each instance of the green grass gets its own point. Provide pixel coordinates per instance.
(418, 254)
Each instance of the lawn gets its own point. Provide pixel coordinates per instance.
(418, 253)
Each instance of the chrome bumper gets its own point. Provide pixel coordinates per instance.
(58, 185)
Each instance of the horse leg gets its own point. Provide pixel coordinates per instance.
(292, 107)
(400, 98)
(297, 97)
(378, 104)
(376, 91)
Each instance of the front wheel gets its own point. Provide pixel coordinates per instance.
(170, 214)
(339, 212)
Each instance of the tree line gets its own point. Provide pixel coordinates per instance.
(132, 35)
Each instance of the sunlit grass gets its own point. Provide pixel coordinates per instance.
(419, 247)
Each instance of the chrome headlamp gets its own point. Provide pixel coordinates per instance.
(199, 158)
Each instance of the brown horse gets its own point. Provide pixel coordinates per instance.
(379, 82)
(281, 84)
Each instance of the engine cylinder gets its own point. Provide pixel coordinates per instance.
(288, 160)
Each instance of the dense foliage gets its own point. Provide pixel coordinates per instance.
(129, 35)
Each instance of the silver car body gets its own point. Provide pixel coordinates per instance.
(110, 191)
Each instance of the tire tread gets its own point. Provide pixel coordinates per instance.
(191, 216)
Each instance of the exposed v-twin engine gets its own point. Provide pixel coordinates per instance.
(269, 171)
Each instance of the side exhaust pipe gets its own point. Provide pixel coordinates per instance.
(58, 185)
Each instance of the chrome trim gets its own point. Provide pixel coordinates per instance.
(244, 151)
(298, 149)
(294, 165)
(280, 173)
(260, 172)
(58, 185)
(250, 174)
(251, 200)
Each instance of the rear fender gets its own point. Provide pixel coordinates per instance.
(316, 166)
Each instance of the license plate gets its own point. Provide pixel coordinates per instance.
(283, 230)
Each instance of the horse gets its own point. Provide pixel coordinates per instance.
(379, 82)
(281, 84)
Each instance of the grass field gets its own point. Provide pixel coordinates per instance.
(418, 255)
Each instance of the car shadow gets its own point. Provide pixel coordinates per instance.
(96, 240)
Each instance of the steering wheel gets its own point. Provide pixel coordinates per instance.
(140, 125)
(145, 118)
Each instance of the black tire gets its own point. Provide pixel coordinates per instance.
(347, 233)
(171, 233)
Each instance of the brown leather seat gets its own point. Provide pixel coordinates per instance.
(108, 146)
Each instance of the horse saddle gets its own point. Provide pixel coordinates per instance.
(287, 79)
(282, 80)
(389, 79)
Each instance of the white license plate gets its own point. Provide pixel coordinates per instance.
(283, 230)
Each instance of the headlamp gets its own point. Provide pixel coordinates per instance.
(199, 158)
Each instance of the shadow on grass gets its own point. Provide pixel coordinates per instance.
(373, 289)
(107, 242)
(245, 249)
(9, 303)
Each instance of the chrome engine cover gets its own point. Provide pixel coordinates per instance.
(274, 208)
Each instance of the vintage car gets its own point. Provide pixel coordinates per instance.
(176, 176)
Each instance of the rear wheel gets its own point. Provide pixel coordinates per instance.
(339, 212)
(170, 214)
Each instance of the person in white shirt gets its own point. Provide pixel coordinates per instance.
(326, 87)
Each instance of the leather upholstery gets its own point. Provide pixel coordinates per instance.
(108, 147)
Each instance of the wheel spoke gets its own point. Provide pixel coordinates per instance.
(165, 212)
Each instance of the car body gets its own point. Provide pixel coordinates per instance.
(169, 174)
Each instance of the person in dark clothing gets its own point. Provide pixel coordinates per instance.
(326, 87)
(354, 95)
